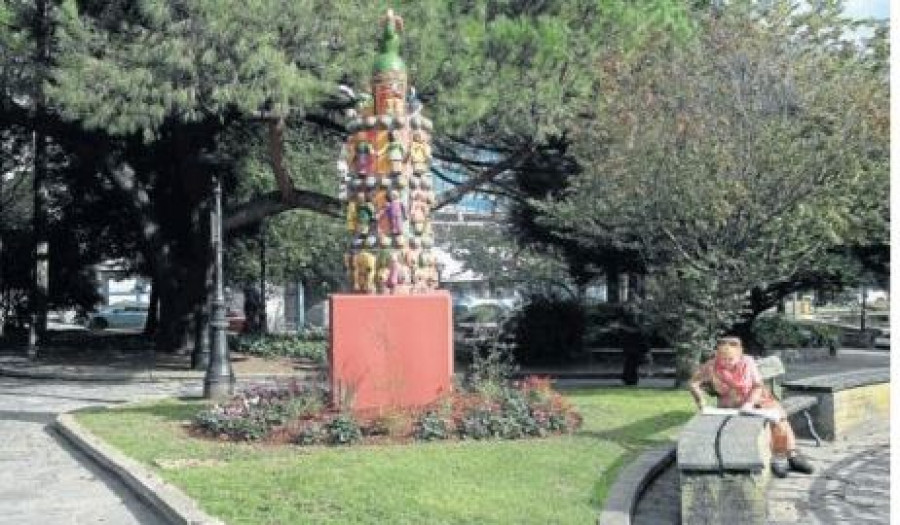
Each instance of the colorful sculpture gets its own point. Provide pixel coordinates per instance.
(384, 178)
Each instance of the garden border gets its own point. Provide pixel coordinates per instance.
(632, 482)
(166, 499)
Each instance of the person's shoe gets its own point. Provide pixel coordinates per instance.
(800, 463)
(780, 467)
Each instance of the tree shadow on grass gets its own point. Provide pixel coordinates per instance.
(639, 434)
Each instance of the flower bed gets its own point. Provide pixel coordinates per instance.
(293, 414)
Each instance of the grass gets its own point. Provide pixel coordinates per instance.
(554, 480)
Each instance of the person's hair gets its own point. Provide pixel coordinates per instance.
(728, 341)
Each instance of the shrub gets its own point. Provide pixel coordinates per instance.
(778, 332)
(431, 426)
(524, 409)
(309, 345)
(311, 433)
(397, 423)
(491, 369)
(343, 429)
(548, 329)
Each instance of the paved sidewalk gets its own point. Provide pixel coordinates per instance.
(43, 480)
(851, 485)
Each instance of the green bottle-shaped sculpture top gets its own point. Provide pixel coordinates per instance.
(388, 58)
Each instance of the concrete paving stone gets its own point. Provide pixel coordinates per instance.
(42, 479)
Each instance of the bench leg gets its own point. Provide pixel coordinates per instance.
(812, 429)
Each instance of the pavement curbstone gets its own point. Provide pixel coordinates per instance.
(169, 501)
(631, 483)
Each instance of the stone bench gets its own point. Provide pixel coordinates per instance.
(723, 470)
(772, 371)
(844, 400)
(723, 461)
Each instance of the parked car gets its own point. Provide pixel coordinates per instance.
(119, 315)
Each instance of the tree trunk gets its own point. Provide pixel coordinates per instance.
(613, 293)
(203, 309)
(152, 323)
(263, 319)
(41, 275)
(636, 350)
(181, 198)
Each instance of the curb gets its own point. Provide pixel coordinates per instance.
(631, 484)
(170, 502)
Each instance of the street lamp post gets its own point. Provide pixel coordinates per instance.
(219, 380)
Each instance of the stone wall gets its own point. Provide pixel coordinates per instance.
(729, 498)
(838, 412)
(845, 400)
(723, 465)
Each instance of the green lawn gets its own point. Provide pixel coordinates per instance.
(555, 480)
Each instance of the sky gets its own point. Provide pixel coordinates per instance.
(867, 8)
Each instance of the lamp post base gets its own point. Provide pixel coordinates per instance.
(218, 388)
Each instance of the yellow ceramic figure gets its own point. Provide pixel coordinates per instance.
(364, 272)
(419, 153)
(351, 216)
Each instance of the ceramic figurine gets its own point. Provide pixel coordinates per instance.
(364, 160)
(419, 153)
(417, 215)
(365, 214)
(380, 198)
(364, 272)
(396, 212)
(352, 215)
(403, 286)
(395, 151)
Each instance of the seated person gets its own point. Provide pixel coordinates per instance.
(738, 384)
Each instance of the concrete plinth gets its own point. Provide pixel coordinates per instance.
(390, 351)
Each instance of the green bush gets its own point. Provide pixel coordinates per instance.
(778, 332)
(343, 429)
(431, 426)
(547, 330)
(310, 345)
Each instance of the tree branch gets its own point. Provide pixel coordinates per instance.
(276, 157)
(513, 161)
(275, 202)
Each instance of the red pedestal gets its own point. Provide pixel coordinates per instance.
(390, 351)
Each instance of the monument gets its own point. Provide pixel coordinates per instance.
(391, 334)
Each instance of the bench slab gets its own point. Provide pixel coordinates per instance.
(723, 470)
(843, 401)
(838, 382)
